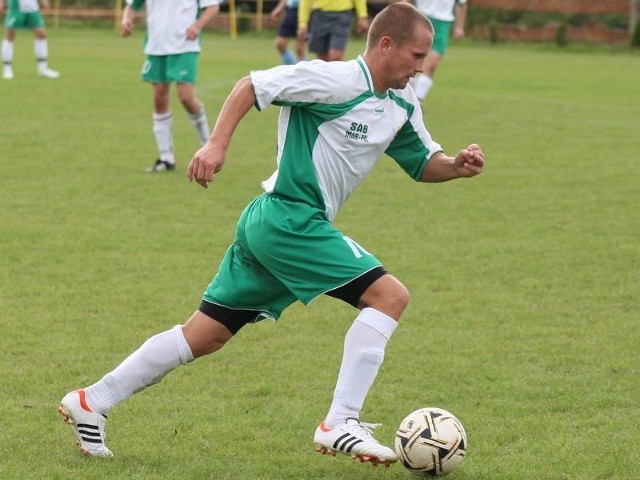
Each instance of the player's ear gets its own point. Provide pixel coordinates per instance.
(385, 44)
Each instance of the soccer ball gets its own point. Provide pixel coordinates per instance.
(431, 441)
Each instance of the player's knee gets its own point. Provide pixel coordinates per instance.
(388, 295)
(395, 298)
(401, 297)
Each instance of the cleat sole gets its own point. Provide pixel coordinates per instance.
(65, 415)
(66, 418)
(375, 461)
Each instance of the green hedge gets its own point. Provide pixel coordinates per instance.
(635, 38)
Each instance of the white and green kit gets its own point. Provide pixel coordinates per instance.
(167, 24)
(170, 55)
(333, 128)
(23, 14)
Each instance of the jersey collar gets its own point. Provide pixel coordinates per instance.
(369, 79)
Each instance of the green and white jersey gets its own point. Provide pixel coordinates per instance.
(333, 128)
(23, 6)
(439, 9)
(167, 24)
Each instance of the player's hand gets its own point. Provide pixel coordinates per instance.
(469, 162)
(193, 32)
(303, 33)
(204, 165)
(126, 27)
(362, 26)
(275, 13)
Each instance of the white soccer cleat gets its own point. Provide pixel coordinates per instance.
(48, 73)
(88, 426)
(355, 439)
(7, 74)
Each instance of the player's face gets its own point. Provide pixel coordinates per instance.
(408, 59)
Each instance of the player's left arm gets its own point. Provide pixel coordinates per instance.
(469, 162)
(206, 14)
(127, 20)
(45, 5)
(304, 14)
(461, 17)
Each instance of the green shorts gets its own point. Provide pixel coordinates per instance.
(284, 251)
(442, 31)
(182, 68)
(17, 20)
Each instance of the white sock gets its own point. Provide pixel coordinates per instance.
(7, 54)
(201, 124)
(422, 85)
(364, 347)
(42, 52)
(163, 130)
(146, 366)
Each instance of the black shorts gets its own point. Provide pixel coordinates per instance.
(329, 31)
(289, 26)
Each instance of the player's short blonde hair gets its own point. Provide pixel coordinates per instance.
(398, 21)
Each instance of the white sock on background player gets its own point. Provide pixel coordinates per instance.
(163, 131)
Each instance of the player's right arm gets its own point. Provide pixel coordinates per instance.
(209, 160)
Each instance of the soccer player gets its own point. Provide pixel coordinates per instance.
(172, 48)
(25, 14)
(336, 120)
(289, 29)
(444, 15)
(329, 28)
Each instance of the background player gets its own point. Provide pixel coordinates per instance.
(288, 29)
(329, 27)
(25, 14)
(172, 49)
(444, 14)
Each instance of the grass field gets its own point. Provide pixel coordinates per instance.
(525, 281)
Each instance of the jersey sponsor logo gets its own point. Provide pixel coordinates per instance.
(358, 132)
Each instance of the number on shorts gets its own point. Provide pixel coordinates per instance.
(357, 250)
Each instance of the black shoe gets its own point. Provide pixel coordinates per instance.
(161, 166)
